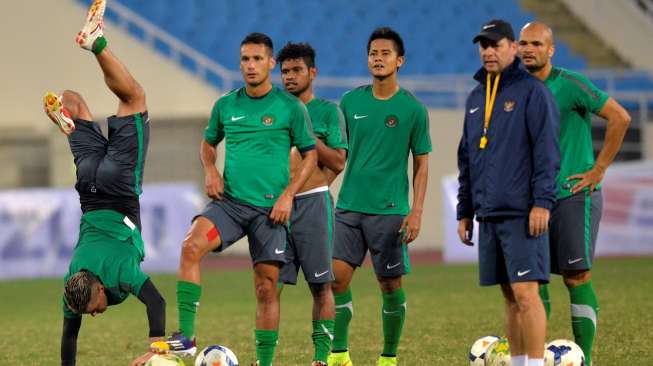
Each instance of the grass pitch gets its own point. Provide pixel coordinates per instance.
(447, 311)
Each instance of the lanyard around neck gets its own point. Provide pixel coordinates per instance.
(490, 97)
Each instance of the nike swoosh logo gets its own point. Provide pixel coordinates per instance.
(359, 116)
(390, 312)
(277, 251)
(392, 266)
(489, 26)
(234, 118)
(473, 110)
(572, 261)
(520, 273)
(321, 274)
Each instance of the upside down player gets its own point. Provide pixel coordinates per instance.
(105, 266)
(259, 124)
(576, 214)
(311, 223)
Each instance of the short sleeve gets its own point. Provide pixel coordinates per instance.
(300, 128)
(131, 277)
(336, 129)
(589, 97)
(420, 138)
(214, 132)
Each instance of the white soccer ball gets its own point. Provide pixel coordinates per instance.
(477, 352)
(165, 360)
(563, 352)
(216, 356)
(498, 354)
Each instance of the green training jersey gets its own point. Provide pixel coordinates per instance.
(111, 248)
(381, 134)
(258, 133)
(328, 123)
(577, 100)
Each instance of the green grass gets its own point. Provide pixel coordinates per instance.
(447, 311)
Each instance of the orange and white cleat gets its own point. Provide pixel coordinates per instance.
(94, 26)
(59, 115)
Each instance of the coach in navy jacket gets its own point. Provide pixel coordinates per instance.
(508, 159)
(518, 167)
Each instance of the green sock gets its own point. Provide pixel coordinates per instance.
(544, 295)
(188, 299)
(584, 314)
(322, 337)
(344, 313)
(393, 314)
(266, 341)
(99, 45)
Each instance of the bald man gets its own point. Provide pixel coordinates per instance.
(575, 216)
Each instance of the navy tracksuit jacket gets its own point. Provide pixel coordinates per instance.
(518, 167)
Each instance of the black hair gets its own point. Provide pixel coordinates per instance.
(258, 38)
(293, 51)
(387, 33)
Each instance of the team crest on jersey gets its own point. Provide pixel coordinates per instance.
(391, 121)
(509, 105)
(267, 120)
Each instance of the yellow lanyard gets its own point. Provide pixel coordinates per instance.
(489, 105)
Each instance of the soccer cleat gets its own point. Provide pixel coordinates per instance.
(339, 359)
(94, 26)
(59, 115)
(318, 363)
(387, 361)
(177, 343)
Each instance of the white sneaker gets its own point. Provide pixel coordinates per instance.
(94, 26)
(59, 115)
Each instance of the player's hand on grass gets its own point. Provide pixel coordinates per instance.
(142, 360)
(281, 211)
(466, 231)
(590, 178)
(410, 226)
(213, 184)
(538, 221)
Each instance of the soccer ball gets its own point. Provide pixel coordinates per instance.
(165, 360)
(498, 354)
(216, 356)
(563, 352)
(477, 353)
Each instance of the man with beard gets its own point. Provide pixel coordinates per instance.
(576, 214)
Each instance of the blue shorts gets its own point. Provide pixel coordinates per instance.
(507, 253)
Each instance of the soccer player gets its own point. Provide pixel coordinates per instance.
(575, 216)
(508, 159)
(259, 124)
(385, 122)
(105, 266)
(311, 222)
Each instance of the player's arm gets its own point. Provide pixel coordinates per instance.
(412, 223)
(156, 316)
(69, 335)
(333, 154)
(333, 159)
(618, 121)
(302, 138)
(213, 134)
(543, 125)
(420, 147)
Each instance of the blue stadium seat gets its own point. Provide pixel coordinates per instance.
(437, 35)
